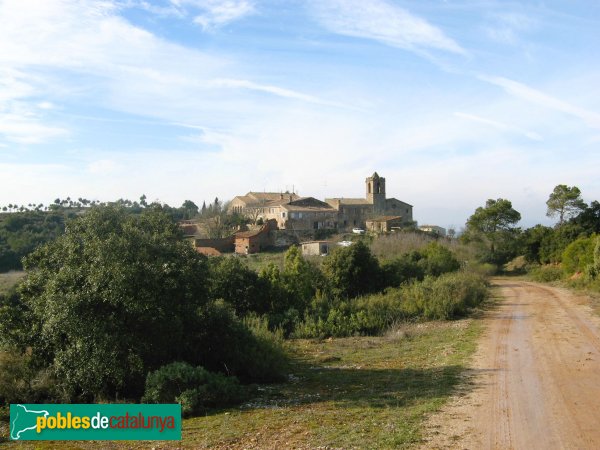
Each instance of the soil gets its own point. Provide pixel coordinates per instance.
(535, 379)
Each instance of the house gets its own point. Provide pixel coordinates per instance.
(315, 248)
(433, 229)
(289, 211)
(292, 212)
(384, 224)
(253, 241)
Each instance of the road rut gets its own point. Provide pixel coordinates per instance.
(535, 379)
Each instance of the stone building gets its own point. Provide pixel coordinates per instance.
(292, 212)
(384, 224)
(354, 212)
(433, 229)
(315, 248)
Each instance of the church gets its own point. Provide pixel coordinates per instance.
(292, 212)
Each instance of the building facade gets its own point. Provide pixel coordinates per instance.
(292, 212)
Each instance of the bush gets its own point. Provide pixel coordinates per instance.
(195, 388)
(352, 271)
(402, 269)
(579, 255)
(446, 297)
(232, 281)
(546, 274)
(227, 345)
(438, 260)
(22, 382)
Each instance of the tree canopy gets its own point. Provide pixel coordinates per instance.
(104, 297)
(565, 202)
(494, 222)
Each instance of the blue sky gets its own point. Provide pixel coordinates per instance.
(454, 102)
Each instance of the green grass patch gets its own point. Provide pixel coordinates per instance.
(358, 392)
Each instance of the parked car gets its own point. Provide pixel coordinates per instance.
(358, 231)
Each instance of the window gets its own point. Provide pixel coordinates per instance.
(283, 215)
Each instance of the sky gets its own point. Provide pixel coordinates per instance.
(453, 102)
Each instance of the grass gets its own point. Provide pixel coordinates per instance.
(9, 279)
(359, 392)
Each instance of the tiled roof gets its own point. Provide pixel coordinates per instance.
(350, 201)
(208, 251)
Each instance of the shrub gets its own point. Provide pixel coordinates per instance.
(225, 344)
(578, 255)
(438, 260)
(546, 273)
(446, 297)
(195, 388)
(232, 281)
(22, 382)
(352, 271)
(402, 269)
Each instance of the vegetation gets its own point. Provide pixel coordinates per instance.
(493, 227)
(119, 306)
(565, 202)
(21, 233)
(356, 392)
(99, 302)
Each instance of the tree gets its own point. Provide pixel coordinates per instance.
(589, 218)
(190, 209)
(352, 271)
(565, 202)
(494, 223)
(115, 296)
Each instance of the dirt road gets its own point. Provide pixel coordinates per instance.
(535, 380)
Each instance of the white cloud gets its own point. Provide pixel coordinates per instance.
(499, 125)
(384, 22)
(274, 90)
(524, 92)
(27, 130)
(218, 13)
(102, 166)
(84, 52)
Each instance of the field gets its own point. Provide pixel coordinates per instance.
(363, 392)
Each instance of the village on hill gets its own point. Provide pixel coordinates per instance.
(280, 219)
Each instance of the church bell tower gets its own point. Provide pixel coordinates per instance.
(376, 192)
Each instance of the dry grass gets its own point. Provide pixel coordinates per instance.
(9, 279)
(396, 244)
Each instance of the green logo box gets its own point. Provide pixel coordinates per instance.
(118, 422)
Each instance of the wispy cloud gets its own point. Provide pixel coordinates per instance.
(274, 90)
(65, 50)
(499, 125)
(218, 13)
(507, 28)
(529, 94)
(27, 130)
(383, 22)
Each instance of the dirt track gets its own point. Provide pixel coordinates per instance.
(535, 380)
